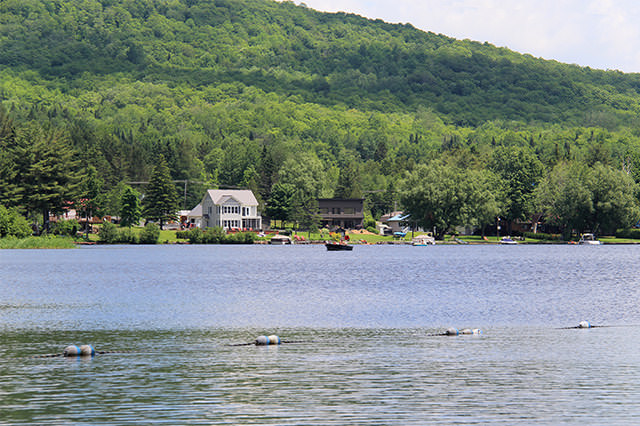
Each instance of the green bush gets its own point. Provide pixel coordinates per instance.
(632, 233)
(369, 221)
(13, 224)
(239, 238)
(108, 233)
(235, 238)
(248, 237)
(213, 235)
(542, 236)
(183, 235)
(193, 235)
(66, 227)
(128, 236)
(150, 234)
(216, 236)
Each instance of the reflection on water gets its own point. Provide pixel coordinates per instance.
(364, 318)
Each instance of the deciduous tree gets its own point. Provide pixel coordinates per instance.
(520, 171)
(435, 197)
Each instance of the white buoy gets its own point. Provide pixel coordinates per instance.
(584, 324)
(84, 350)
(274, 340)
(87, 350)
(452, 331)
(474, 331)
(262, 341)
(71, 350)
(267, 340)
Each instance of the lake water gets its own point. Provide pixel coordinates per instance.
(365, 321)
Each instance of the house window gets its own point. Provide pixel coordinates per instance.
(349, 210)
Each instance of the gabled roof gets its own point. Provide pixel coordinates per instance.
(243, 196)
(196, 212)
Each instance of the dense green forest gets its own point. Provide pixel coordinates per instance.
(297, 104)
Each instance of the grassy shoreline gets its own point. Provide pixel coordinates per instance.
(48, 242)
(169, 237)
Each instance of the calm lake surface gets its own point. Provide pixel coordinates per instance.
(364, 319)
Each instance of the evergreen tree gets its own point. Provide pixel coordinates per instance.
(381, 151)
(52, 179)
(92, 193)
(266, 172)
(161, 200)
(130, 211)
(250, 181)
(9, 188)
(348, 182)
(279, 205)
(304, 211)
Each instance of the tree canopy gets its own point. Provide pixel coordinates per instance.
(259, 93)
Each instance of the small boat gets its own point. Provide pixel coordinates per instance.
(423, 240)
(507, 240)
(589, 239)
(280, 240)
(334, 246)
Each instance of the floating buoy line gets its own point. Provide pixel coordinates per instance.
(274, 340)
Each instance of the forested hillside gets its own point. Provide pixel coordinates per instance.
(278, 97)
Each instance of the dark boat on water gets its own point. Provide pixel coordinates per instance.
(338, 246)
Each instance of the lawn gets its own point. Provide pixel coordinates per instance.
(169, 237)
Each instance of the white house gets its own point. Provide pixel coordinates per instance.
(230, 209)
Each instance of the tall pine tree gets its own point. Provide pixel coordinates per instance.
(9, 190)
(130, 210)
(49, 172)
(161, 200)
(266, 171)
(348, 182)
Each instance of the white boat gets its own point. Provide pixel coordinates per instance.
(280, 240)
(423, 240)
(507, 240)
(589, 239)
